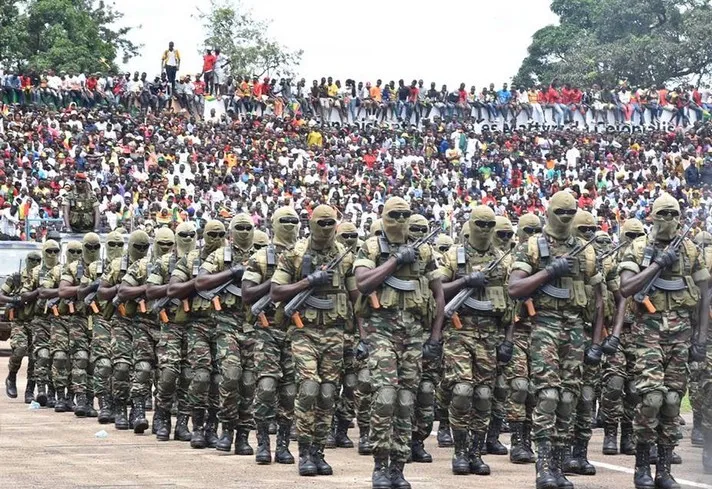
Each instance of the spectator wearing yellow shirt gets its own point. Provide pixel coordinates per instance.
(315, 139)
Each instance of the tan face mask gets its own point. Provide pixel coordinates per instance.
(396, 213)
(242, 231)
(285, 223)
(482, 223)
(561, 212)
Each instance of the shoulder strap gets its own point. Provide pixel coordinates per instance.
(271, 256)
(543, 246)
(172, 263)
(124, 263)
(227, 254)
(383, 246)
(306, 264)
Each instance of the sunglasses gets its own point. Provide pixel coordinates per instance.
(443, 248)
(258, 246)
(74, 252)
(115, 244)
(399, 214)
(216, 234)
(326, 223)
(634, 235)
(141, 247)
(288, 220)
(565, 212)
(52, 252)
(190, 234)
(418, 229)
(587, 229)
(505, 234)
(34, 260)
(349, 235)
(242, 227)
(668, 213)
(485, 224)
(603, 240)
(165, 244)
(531, 230)
(92, 247)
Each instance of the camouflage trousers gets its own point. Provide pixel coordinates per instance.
(662, 343)
(21, 344)
(470, 360)
(40, 349)
(79, 345)
(146, 337)
(556, 356)
(424, 413)
(101, 355)
(618, 403)
(693, 386)
(174, 368)
(318, 362)
(229, 365)
(395, 362)
(122, 332)
(346, 403)
(501, 387)
(705, 391)
(246, 398)
(202, 355)
(274, 360)
(60, 350)
(518, 406)
(590, 378)
(363, 394)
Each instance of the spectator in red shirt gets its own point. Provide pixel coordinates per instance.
(208, 69)
(555, 102)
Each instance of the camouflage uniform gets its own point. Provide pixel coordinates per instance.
(81, 210)
(21, 333)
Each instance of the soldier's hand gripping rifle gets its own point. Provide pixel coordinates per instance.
(397, 283)
(259, 307)
(213, 295)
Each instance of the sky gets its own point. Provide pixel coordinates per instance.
(474, 42)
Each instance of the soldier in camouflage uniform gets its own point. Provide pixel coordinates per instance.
(58, 311)
(79, 332)
(21, 334)
(173, 366)
(664, 339)
(274, 364)
(470, 353)
(224, 268)
(519, 405)
(98, 316)
(318, 341)
(81, 207)
(121, 325)
(619, 397)
(203, 395)
(395, 335)
(704, 393)
(146, 328)
(544, 271)
(260, 240)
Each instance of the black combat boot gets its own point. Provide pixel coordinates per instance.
(51, 396)
(556, 467)
(198, 438)
(610, 439)
(641, 477)
(163, 427)
(307, 467)
(211, 429)
(627, 439)
(29, 391)
(707, 452)
(696, 437)
(61, 405)
(11, 385)
(242, 443)
(82, 409)
(226, 437)
(341, 434)
(322, 466)
(364, 442)
(663, 477)
(132, 416)
(676, 458)
(91, 412)
(493, 445)
(545, 478)
(140, 424)
(263, 455)
(331, 435)
(444, 436)
(282, 455)
(460, 459)
(293, 432)
(477, 446)
(519, 453)
(527, 435)
(121, 421)
(653, 454)
(417, 451)
(41, 395)
(106, 413)
(155, 423)
(149, 402)
(381, 477)
(182, 432)
(397, 479)
(580, 456)
(273, 427)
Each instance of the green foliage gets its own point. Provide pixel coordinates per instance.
(244, 41)
(647, 42)
(63, 35)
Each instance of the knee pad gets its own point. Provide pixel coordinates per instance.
(42, 357)
(142, 372)
(671, 405)
(482, 398)
(349, 385)
(201, 381)
(520, 390)
(60, 360)
(81, 359)
(327, 396)
(103, 368)
(426, 394)
(501, 389)
(548, 400)
(588, 395)
(462, 397)
(404, 404)
(308, 392)
(614, 388)
(247, 383)
(632, 397)
(566, 403)
(384, 402)
(122, 371)
(231, 377)
(287, 393)
(168, 379)
(651, 404)
(267, 390)
(364, 381)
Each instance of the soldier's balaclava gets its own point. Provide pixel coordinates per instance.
(465, 234)
(114, 246)
(50, 253)
(322, 227)
(396, 213)
(482, 223)
(418, 227)
(444, 242)
(376, 228)
(185, 238)
(561, 212)
(260, 239)
(503, 233)
(91, 248)
(666, 217)
(703, 238)
(163, 242)
(213, 236)
(631, 229)
(33, 259)
(242, 231)
(347, 234)
(139, 242)
(74, 251)
(529, 225)
(584, 225)
(603, 242)
(285, 223)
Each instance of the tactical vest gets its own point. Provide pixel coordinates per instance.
(231, 296)
(132, 306)
(198, 305)
(675, 289)
(81, 212)
(604, 267)
(79, 306)
(493, 295)
(123, 268)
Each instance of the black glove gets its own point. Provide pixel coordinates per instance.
(698, 352)
(320, 277)
(237, 272)
(610, 345)
(475, 280)
(361, 351)
(405, 255)
(593, 355)
(666, 258)
(432, 350)
(560, 266)
(505, 350)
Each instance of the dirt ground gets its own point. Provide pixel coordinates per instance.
(43, 449)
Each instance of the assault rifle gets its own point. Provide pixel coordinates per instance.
(403, 285)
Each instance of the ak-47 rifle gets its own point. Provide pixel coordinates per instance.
(259, 307)
(16, 283)
(90, 299)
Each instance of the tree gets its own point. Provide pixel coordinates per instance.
(243, 40)
(648, 42)
(63, 35)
